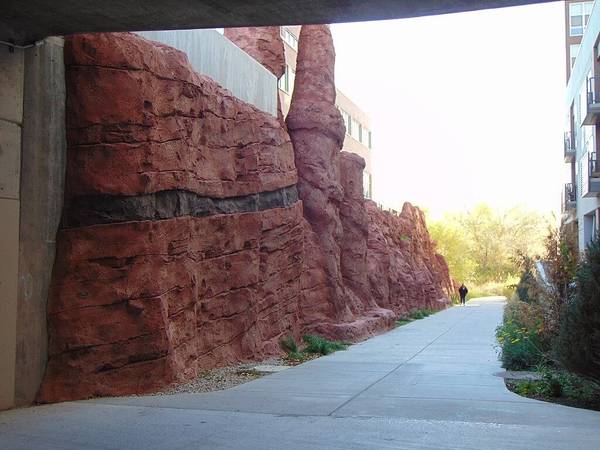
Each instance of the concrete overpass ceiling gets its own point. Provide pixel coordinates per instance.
(24, 22)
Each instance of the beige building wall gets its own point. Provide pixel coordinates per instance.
(352, 142)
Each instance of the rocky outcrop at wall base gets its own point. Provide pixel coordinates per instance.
(189, 238)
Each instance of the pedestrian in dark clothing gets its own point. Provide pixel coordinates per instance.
(462, 290)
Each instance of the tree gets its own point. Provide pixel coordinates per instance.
(578, 343)
(455, 247)
(484, 244)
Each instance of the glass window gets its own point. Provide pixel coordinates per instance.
(284, 81)
(579, 16)
(347, 121)
(573, 51)
(367, 185)
(291, 80)
(354, 129)
(289, 38)
(370, 140)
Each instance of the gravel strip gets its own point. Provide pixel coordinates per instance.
(221, 378)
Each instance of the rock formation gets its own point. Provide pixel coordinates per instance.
(317, 131)
(184, 244)
(404, 270)
(182, 239)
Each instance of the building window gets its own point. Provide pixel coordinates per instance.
(287, 80)
(289, 38)
(370, 141)
(347, 121)
(367, 191)
(573, 51)
(354, 129)
(364, 136)
(579, 15)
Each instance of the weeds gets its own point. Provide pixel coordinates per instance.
(288, 344)
(314, 346)
(561, 387)
(519, 337)
(415, 314)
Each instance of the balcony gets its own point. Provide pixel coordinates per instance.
(569, 198)
(569, 148)
(591, 176)
(592, 108)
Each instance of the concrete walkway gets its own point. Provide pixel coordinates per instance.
(429, 384)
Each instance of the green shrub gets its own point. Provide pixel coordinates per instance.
(520, 337)
(319, 345)
(417, 314)
(578, 343)
(288, 344)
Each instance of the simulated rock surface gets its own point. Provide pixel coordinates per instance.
(197, 233)
(404, 270)
(317, 131)
(182, 244)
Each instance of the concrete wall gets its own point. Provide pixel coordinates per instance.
(42, 187)
(215, 56)
(32, 163)
(11, 116)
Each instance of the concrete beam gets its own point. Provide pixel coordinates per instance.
(26, 22)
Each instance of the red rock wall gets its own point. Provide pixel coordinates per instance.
(404, 270)
(184, 244)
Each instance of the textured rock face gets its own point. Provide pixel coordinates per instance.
(188, 246)
(184, 244)
(138, 305)
(404, 270)
(317, 131)
(138, 112)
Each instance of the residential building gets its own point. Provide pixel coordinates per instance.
(577, 16)
(581, 203)
(359, 137)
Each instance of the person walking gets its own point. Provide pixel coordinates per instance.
(462, 290)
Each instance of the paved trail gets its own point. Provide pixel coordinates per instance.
(429, 384)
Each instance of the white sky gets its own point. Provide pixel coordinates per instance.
(466, 108)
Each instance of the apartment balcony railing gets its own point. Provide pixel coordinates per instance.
(592, 110)
(591, 176)
(569, 148)
(569, 198)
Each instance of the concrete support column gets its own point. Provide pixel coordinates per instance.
(32, 164)
(42, 189)
(11, 116)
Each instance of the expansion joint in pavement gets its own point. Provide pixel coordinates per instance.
(400, 365)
